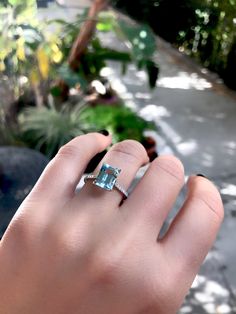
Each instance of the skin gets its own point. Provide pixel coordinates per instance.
(87, 253)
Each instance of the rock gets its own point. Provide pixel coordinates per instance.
(20, 168)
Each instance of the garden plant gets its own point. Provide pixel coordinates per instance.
(50, 74)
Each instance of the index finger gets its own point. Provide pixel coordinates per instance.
(59, 179)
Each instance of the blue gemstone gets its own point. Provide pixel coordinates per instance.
(107, 177)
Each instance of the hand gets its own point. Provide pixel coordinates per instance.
(67, 253)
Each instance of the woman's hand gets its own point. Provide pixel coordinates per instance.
(87, 254)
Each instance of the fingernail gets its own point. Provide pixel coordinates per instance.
(95, 161)
(104, 132)
(201, 175)
(153, 156)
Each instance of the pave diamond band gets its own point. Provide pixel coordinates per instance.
(107, 179)
(116, 185)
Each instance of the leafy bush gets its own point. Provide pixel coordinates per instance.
(39, 62)
(122, 122)
(47, 129)
(204, 29)
(28, 49)
(140, 39)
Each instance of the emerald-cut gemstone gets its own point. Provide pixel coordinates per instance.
(107, 177)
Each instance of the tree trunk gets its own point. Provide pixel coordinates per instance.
(86, 33)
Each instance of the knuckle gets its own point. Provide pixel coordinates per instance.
(213, 202)
(82, 145)
(131, 149)
(171, 165)
(69, 151)
(207, 192)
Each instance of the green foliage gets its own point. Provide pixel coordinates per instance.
(21, 9)
(31, 54)
(204, 29)
(122, 122)
(30, 50)
(143, 46)
(212, 33)
(106, 22)
(142, 39)
(26, 51)
(141, 42)
(47, 129)
(71, 78)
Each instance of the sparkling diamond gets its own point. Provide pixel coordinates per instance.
(107, 177)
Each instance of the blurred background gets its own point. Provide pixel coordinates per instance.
(161, 72)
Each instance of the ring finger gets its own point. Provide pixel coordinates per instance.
(128, 156)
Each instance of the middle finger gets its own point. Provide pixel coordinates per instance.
(155, 195)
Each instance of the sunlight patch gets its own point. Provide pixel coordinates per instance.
(229, 189)
(106, 71)
(152, 112)
(143, 96)
(187, 148)
(185, 81)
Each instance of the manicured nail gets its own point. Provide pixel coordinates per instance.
(201, 175)
(104, 132)
(95, 161)
(152, 156)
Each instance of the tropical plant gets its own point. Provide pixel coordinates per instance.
(53, 63)
(139, 39)
(47, 129)
(28, 49)
(122, 122)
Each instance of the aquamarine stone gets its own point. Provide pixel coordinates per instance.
(107, 177)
